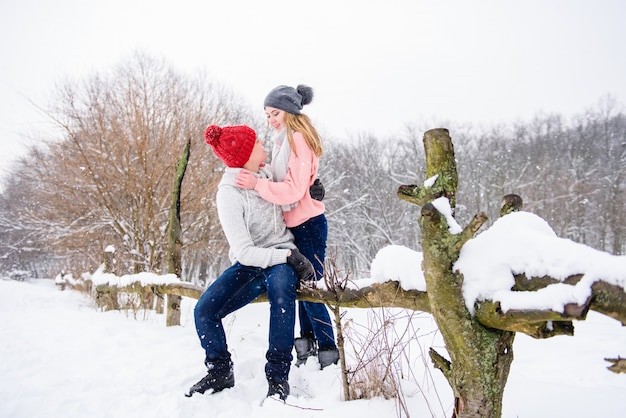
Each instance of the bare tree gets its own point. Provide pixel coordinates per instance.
(363, 213)
(20, 250)
(105, 177)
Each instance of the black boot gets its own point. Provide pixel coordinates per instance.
(328, 356)
(219, 377)
(278, 388)
(305, 348)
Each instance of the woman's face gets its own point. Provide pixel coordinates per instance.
(275, 117)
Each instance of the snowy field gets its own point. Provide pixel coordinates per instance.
(61, 357)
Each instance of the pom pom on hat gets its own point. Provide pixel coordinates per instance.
(212, 134)
(232, 144)
(306, 92)
(289, 99)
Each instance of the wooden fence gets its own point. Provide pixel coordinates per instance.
(165, 298)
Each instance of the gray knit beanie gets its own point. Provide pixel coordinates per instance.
(289, 99)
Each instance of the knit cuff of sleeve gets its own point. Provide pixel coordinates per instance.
(279, 256)
(260, 184)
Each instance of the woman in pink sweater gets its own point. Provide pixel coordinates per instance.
(295, 156)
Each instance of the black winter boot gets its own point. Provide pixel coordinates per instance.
(305, 348)
(278, 388)
(219, 377)
(328, 356)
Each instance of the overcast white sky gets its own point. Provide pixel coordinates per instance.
(375, 65)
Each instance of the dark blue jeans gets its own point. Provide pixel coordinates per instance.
(236, 287)
(310, 238)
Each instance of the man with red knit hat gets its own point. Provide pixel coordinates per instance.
(265, 260)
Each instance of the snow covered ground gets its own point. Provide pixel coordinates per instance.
(61, 357)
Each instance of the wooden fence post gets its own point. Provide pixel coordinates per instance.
(173, 310)
(109, 259)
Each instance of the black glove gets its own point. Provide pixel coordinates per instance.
(302, 265)
(317, 190)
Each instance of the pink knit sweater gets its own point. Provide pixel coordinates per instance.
(302, 171)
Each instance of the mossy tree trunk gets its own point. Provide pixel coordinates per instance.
(174, 262)
(480, 357)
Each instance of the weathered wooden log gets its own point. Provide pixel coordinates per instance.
(606, 298)
(378, 295)
(536, 323)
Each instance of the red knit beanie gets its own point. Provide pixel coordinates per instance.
(232, 144)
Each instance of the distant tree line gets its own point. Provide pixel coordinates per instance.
(104, 176)
(572, 174)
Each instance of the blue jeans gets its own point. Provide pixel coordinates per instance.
(236, 287)
(310, 238)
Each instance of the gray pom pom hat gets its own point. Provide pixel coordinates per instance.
(289, 99)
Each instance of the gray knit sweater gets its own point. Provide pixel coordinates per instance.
(255, 228)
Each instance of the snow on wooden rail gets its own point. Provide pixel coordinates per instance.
(152, 290)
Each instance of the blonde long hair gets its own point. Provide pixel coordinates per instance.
(301, 123)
